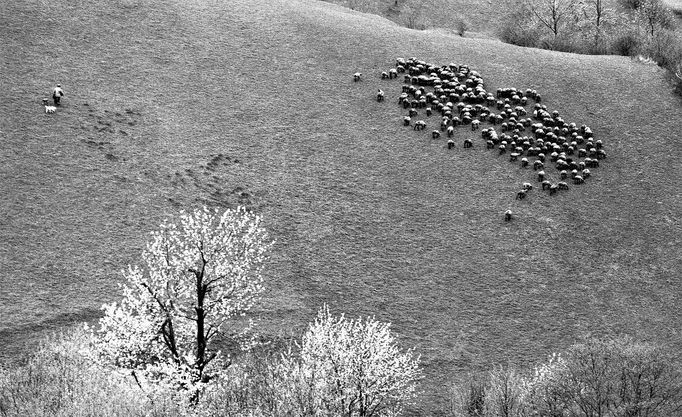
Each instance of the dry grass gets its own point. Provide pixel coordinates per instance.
(175, 104)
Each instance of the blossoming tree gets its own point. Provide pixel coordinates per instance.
(198, 275)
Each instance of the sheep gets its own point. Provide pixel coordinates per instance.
(553, 189)
(563, 174)
(451, 144)
(50, 109)
(356, 76)
(406, 120)
(435, 134)
(468, 143)
(513, 156)
(412, 112)
(429, 112)
(541, 176)
(578, 179)
(502, 148)
(562, 185)
(508, 215)
(393, 73)
(451, 131)
(546, 185)
(384, 75)
(489, 144)
(538, 165)
(475, 124)
(380, 95)
(527, 186)
(521, 195)
(586, 173)
(419, 125)
(601, 154)
(524, 162)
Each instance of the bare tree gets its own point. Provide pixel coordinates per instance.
(655, 15)
(553, 14)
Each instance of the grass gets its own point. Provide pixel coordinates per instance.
(175, 104)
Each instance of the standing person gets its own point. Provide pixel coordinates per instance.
(57, 94)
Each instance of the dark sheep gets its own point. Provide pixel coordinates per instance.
(521, 195)
(435, 134)
(468, 143)
(546, 184)
(508, 215)
(451, 144)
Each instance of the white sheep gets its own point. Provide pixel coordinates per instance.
(50, 109)
(356, 76)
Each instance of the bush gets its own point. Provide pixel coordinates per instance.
(609, 377)
(60, 379)
(626, 44)
(461, 25)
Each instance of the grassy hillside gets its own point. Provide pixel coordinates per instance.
(175, 104)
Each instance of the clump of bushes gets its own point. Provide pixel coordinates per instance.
(636, 27)
(598, 377)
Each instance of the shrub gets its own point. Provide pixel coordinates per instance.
(60, 379)
(626, 44)
(461, 25)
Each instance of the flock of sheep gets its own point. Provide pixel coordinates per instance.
(456, 97)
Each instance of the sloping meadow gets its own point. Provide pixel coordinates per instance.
(170, 105)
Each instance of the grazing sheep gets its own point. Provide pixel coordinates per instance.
(546, 185)
(468, 143)
(451, 144)
(380, 95)
(502, 148)
(563, 174)
(521, 195)
(601, 154)
(384, 75)
(475, 124)
(541, 176)
(50, 109)
(406, 120)
(508, 215)
(435, 134)
(357, 76)
(513, 156)
(562, 185)
(393, 73)
(451, 131)
(538, 165)
(429, 112)
(489, 144)
(578, 179)
(524, 162)
(553, 189)
(419, 125)
(412, 112)
(586, 173)
(527, 186)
